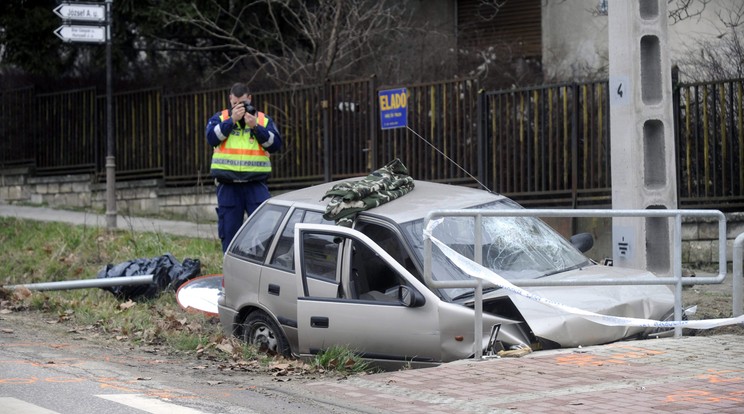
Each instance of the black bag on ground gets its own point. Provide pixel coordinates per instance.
(166, 272)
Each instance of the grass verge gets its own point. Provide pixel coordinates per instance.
(37, 252)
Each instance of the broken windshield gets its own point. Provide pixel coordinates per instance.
(513, 247)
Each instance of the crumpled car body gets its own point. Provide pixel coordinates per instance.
(297, 284)
(554, 328)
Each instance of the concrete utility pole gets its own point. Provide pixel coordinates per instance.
(642, 130)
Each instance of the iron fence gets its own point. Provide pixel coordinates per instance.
(441, 141)
(548, 145)
(543, 146)
(710, 143)
(17, 123)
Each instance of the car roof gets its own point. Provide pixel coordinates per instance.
(425, 197)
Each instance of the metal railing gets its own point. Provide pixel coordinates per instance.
(677, 280)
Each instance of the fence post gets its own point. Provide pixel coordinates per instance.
(327, 172)
(373, 130)
(675, 119)
(575, 153)
(480, 131)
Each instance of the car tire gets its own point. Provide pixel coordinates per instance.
(260, 330)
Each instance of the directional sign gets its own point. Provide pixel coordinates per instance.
(72, 33)
(81, 12)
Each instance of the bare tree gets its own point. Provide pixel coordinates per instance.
(720, 57)
(685, 9)
(294, 42)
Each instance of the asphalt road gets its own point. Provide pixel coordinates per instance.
(46, 370)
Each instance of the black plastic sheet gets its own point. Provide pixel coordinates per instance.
(167, 273)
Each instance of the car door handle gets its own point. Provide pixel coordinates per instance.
(318, 322)
(274, 289)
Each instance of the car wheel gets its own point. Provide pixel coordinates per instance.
(262, 332)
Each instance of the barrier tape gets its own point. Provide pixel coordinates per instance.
(478, 271)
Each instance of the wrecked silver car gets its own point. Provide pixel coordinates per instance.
(296, 283)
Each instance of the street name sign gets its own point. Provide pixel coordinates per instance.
(73, 33)
(81, 12)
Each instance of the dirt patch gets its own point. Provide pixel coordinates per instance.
(713, 302)
(182, 367)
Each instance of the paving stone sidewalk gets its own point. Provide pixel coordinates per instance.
(700, 374)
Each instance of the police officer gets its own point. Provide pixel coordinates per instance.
(242, 139)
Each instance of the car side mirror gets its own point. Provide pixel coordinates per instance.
(410, 297)
(582, 241)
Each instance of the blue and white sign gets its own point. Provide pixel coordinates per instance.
(393, 108)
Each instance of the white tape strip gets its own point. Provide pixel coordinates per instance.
(475, 270)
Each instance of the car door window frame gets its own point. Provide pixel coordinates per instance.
(282, 258)
(344, 263)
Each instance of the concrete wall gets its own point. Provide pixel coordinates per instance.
(149, 197)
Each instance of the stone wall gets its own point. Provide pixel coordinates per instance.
(143, 197)
(150, 197)
(700, 239)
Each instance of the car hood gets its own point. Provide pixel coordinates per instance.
(570, 330)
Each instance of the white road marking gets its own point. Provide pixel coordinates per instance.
(10, 405)
(147, 404)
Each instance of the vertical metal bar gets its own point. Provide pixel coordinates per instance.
(740, 118)
(110, 142)
(678, 273)
(600, 135)
(535, 143)
(327, 171)
(738, 282)
(544, 170)
(688, 143)
(721, 119)
(478, 296)
(374, 134)
(520, 154)
(675, 121)
(550, 141)
(586, 170)
(730, 162)
(574, 150)
(706, 142)
(480, 119)
(511, 145)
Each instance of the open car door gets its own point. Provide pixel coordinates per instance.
(377, 308)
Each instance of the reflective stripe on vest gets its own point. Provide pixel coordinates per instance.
(241, 151)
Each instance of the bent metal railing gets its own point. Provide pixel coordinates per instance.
(677, 280)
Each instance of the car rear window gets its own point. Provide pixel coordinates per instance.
(254, 239)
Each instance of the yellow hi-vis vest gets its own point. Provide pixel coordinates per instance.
(241, 152)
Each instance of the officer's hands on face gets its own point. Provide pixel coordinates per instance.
(239, 113)
(238, 110)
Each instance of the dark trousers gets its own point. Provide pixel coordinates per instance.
(234, 203)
